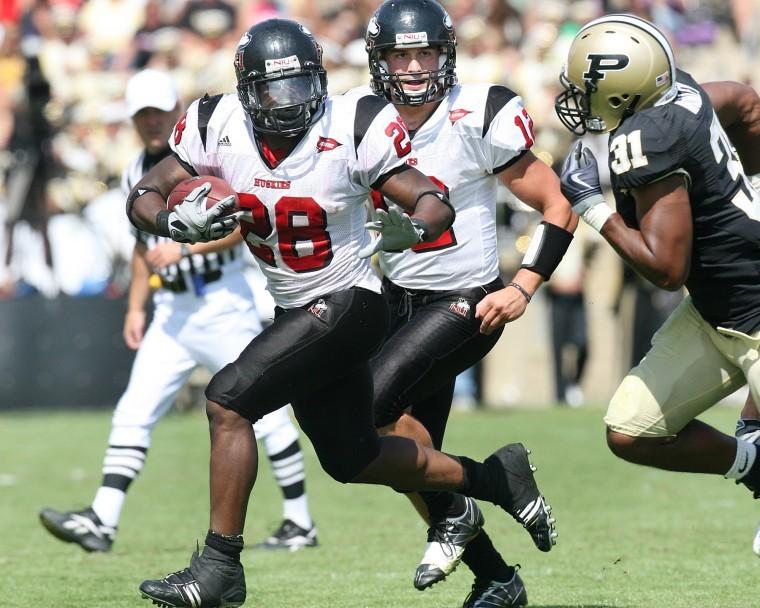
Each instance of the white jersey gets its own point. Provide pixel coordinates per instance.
(214, 274)
(306, 216)
(476, 131)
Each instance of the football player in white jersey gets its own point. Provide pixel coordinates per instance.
(204, 314)
(303, 165)
(448, 304)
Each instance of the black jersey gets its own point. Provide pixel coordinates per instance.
(685, 137)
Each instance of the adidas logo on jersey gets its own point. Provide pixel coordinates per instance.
(225, 141)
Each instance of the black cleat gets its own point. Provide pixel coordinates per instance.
(447, 539)
(291, 537)
(494, 594)
(213, 580)
(521, 497)
(81, 527)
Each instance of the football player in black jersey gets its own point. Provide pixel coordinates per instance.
(686, 216)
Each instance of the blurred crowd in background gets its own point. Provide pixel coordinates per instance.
(65, 135)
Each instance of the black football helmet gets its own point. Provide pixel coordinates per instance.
(281, 81)
(399, 24)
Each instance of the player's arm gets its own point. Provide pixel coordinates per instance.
(427, 205)
(660, 250)
(505, 149)
(147, 199)
(738, 108)
(536, 185)
(137, 298)
(188, 222)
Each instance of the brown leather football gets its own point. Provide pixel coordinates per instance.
(219, 189)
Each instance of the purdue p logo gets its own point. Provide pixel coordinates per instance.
(598, 64)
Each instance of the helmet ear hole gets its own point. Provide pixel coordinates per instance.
(615, 101)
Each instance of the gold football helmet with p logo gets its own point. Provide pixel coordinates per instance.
(617, 65)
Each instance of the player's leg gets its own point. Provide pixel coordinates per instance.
(217, 343)
(651, 418)
(496, 581)
(294, 357)
(161, 366)
(417, 365)
(280, 438)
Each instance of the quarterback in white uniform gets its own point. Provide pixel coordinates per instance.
(204, 314)
(447, 301)
(303, 166)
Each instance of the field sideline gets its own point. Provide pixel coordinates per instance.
(628, 536)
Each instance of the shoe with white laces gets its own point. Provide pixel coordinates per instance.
(81, 527)
(447, 540)
(521, 497)
(213, 580)
(291, 537)
(495, 594)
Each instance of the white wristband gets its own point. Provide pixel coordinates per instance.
(597, 215)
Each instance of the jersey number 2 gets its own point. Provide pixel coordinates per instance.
(301, 223)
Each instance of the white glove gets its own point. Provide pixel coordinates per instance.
(191, 222)
(397, 231)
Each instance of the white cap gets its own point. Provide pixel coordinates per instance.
(151, 89)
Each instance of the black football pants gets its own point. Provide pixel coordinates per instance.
(315, 357)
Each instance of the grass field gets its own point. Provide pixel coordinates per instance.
(629, 536)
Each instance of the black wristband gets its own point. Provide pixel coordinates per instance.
(548, 245)
(133, 196)
(522, 290)
(162, 223)
(444, 199)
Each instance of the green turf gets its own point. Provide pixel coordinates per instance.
(629, 536)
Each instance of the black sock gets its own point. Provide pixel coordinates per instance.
(485, 561)
(231, 546)
(443, 504)
(483, 480)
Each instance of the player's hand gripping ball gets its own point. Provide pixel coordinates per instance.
(203, 208)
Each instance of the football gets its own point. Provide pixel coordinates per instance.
(219, 189)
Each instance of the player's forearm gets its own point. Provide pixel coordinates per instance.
(660, 268)
(143, 208)
(436, 215)
(148, 198)
(139, 286)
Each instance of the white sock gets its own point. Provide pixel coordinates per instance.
(745, 458)
(297, 511)
(107, 505)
